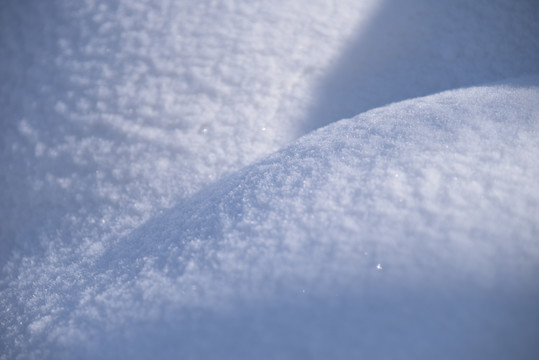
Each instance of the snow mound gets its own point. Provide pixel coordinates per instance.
(136, 222)
(410, 230)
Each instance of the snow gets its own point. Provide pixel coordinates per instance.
(162, 194)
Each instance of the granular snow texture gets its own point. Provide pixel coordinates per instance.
(147, 211)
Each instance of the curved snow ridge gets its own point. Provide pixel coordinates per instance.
(413, 225)
(428, 206)
(443, 185)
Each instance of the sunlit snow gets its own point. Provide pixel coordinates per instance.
(269, 179)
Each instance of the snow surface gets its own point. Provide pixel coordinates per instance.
(145, 213)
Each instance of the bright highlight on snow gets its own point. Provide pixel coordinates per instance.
(262, 180)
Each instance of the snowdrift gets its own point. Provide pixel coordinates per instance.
(411, 228)
(161, 194)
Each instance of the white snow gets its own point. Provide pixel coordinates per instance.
(161, 195)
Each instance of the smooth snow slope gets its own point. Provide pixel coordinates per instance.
(115, 114)
(409, 231)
